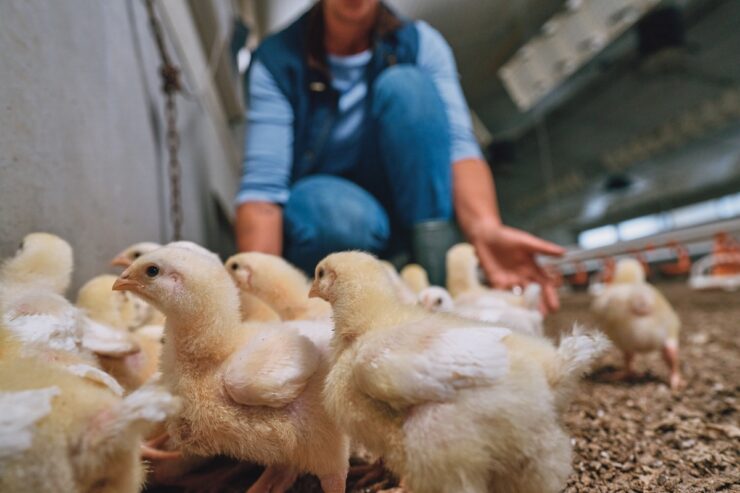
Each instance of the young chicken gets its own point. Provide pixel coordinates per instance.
(638, 318)
(451, 404)
(283, 287)
(402, 290)
(463, 283)
(250, 391)
(128, 255)
(32, 283)
(118, 309)
(61, 432)
(522, 320)
(253, 309)
(415, 277)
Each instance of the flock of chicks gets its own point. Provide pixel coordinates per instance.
(182, 357)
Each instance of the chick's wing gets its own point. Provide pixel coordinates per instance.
(642, 300)
(19, 411)
(417, 363)
(272, 369)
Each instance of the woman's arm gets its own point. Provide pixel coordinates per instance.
(267, 165)
(259, 227)
(507, 255)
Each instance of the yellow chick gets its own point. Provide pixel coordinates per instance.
(451, 404)
(42, 263)
(464, 284)
(250, 391)
(415, 277)
(117, 309)
(402, 290)
(61, 432)
(252, 308)
(279, 284)
(522, 320)
(638, 318)
(147, 313)
(128, 255)
(32, 283)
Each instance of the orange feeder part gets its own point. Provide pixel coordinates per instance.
(580, 278)
(725, 244)
(555, 274)
(682, 265)
(608, 266)
(642, 258)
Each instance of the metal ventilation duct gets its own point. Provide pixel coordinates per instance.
(568, 41)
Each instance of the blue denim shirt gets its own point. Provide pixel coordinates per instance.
(270, 154)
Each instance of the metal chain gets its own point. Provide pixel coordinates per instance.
(170, 86)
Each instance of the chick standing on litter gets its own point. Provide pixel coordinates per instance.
(638, 318)
(452, 405)
(118, 309)
(250, 391)
(279, 284)
(61, 432)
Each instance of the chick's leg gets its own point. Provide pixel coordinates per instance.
(274, 479)
(369, 473)
(670, 355)
(627, 372)
(629, 365)
(334, 483)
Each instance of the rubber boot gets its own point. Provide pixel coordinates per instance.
(430, 241)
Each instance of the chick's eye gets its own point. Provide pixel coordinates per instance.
(438, 302)
(20, 246)
(152, 271)
(320, 273)
(234, 266)
(136, 254)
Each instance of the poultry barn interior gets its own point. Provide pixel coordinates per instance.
(182, 312)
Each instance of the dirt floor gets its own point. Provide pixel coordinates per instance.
(630, 436)
(638, 436)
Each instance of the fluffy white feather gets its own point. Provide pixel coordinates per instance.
(447, 360)
(19, 411)
(95, 375)
(272, 370)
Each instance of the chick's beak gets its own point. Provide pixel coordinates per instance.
(121, 261)
(314, 292)
(125, 283)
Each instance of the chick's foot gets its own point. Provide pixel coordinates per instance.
(274, 479)
(368, 474)
(627, 373)
(152, 453)
(670, 355)
(334, 483)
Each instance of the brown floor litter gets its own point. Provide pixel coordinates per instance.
(628, 437)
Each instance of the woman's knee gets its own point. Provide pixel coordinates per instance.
(325, 214)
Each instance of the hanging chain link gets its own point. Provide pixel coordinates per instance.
(170, 86)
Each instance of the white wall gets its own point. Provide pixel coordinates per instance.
(81, 131)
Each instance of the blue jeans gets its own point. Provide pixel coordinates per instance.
(405, 178)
